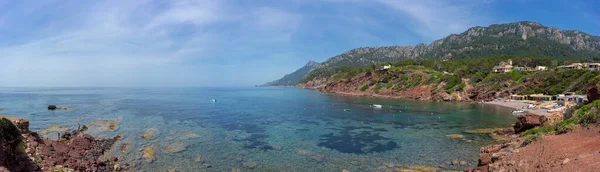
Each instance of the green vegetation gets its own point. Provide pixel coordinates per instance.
(364, 87)
(389, 85)
(8, 130)
(530, 139)
(453, 74)
(588, 114)
(378, 87)
(539, 131)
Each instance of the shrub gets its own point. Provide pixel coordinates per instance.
(389, 85)
(451, 81)
(529, 140)
(588, 114)
(378, 87)
(461, 86)
(364, 87)
(540, 130)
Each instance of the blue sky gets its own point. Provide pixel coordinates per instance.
(233, 43)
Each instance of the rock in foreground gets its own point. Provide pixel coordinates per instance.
(22, 150)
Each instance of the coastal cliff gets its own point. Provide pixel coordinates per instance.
(418, 80)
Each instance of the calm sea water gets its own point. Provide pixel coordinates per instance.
(278, 129)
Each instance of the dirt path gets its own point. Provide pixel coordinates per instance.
(578, 150)
(574, 151)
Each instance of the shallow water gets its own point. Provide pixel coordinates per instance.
(278, 129)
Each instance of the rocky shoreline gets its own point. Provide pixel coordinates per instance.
(25, 150)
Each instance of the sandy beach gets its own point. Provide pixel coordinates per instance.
(519, 105)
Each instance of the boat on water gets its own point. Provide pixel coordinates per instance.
(376, 106)
(517, 111)
(347, 110)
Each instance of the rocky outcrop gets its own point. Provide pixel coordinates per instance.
(593, 93)
(12, 148)
(23, 150)
(528, 121)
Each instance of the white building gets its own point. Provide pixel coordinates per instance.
(541, 68)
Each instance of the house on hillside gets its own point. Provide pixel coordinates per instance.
(540, 68)
(593, 66)
(386, 67)
(523, 69)
(503, 67)
(572, 66)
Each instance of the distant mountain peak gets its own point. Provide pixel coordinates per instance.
(312, 63)
(522, 38)
(294, 77)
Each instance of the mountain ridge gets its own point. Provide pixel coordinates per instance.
(523, 38)
(292, 78)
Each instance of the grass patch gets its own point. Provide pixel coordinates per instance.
(540, 130)
(364, 87)
(530, 139)
(588, 114)
(378, 87)
(389, 85)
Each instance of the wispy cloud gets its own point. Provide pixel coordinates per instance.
(131, 36)
(208, 42)
(435, 19)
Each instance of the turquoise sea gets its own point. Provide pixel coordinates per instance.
(263, 129)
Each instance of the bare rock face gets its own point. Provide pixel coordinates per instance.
(528, 121)
(12, 147)
(19, 148)
(593, 93)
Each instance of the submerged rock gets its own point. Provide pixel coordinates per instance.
(54, 128)
(191, 135)
(105, 125)
(483, 130)
(176, 147)
(148, 154)
(455, 136)
(199, 159)
(150, 133)
(420, 168)
(249, 165)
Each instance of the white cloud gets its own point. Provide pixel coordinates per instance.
(435, 19)
(115, 37)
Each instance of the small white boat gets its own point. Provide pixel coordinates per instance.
(517, 111)
(377, 106)
(214, 100)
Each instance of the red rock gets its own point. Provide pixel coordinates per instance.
(81, 143)
(528, 121)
